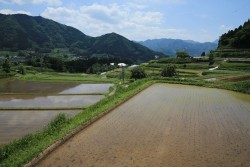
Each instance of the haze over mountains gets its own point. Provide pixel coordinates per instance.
(171, 46)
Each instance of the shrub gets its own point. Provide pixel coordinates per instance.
(6, 65)
(138, 73)
(169, 71)
(21, 69)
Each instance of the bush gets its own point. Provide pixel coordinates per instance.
(138, 73)
(211, 59)
(169, 71)
(6, 65)
(21, 69)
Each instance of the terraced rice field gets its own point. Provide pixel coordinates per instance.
(27, 106)
(15, 124)
(165, 125)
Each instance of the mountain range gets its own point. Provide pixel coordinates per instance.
(23, 32)
(171, 46)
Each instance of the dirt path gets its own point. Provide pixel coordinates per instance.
(165, 125)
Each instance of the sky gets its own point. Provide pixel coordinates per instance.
(199, 20)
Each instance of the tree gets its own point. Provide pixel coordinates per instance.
(211, 59)
(203, 54)
(138, 73)
(21, 69)
(56, 63)
(6, 65)
(182, 54)
(169, 71)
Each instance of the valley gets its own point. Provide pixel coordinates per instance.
(69, 99)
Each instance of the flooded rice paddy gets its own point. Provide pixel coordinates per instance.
(18, 86)
(33, 101)
(15, 123)
(165, 125)
(22, 98)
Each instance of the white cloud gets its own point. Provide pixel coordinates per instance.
(49, 2)
(162, 2)
(61, 14)
(97, 19)
(147, 17)
(108, 14)
(8, 11)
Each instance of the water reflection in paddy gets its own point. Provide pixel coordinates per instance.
(31, 101)
(88, 88)
(18, 86)
(15, 124)
(16, 94)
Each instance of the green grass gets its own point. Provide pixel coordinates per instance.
(62, 77)
(195, 66)
(241, 86)
(201, 65)
(220, 73)
(63, 53)
(232, 53)
(6, 75)
(10, 53)
(235, 66)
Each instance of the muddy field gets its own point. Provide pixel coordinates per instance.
(165, 125)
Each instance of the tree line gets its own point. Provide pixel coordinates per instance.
(239, 38)
(85, 65)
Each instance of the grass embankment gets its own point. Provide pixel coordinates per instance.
(23, 150)
(241, 86)
(62, 77)
(235, 66)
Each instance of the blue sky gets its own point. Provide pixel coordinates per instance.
(199, 20)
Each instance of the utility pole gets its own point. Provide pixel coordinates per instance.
(122, 65)
(122, 74)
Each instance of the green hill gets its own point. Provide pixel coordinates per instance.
(118, 46)
(23, 32)
(238, 38)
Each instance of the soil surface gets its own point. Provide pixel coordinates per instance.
(165, 125)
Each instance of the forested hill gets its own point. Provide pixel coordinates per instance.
(236, 39)
(118, 45)
(23, 32)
